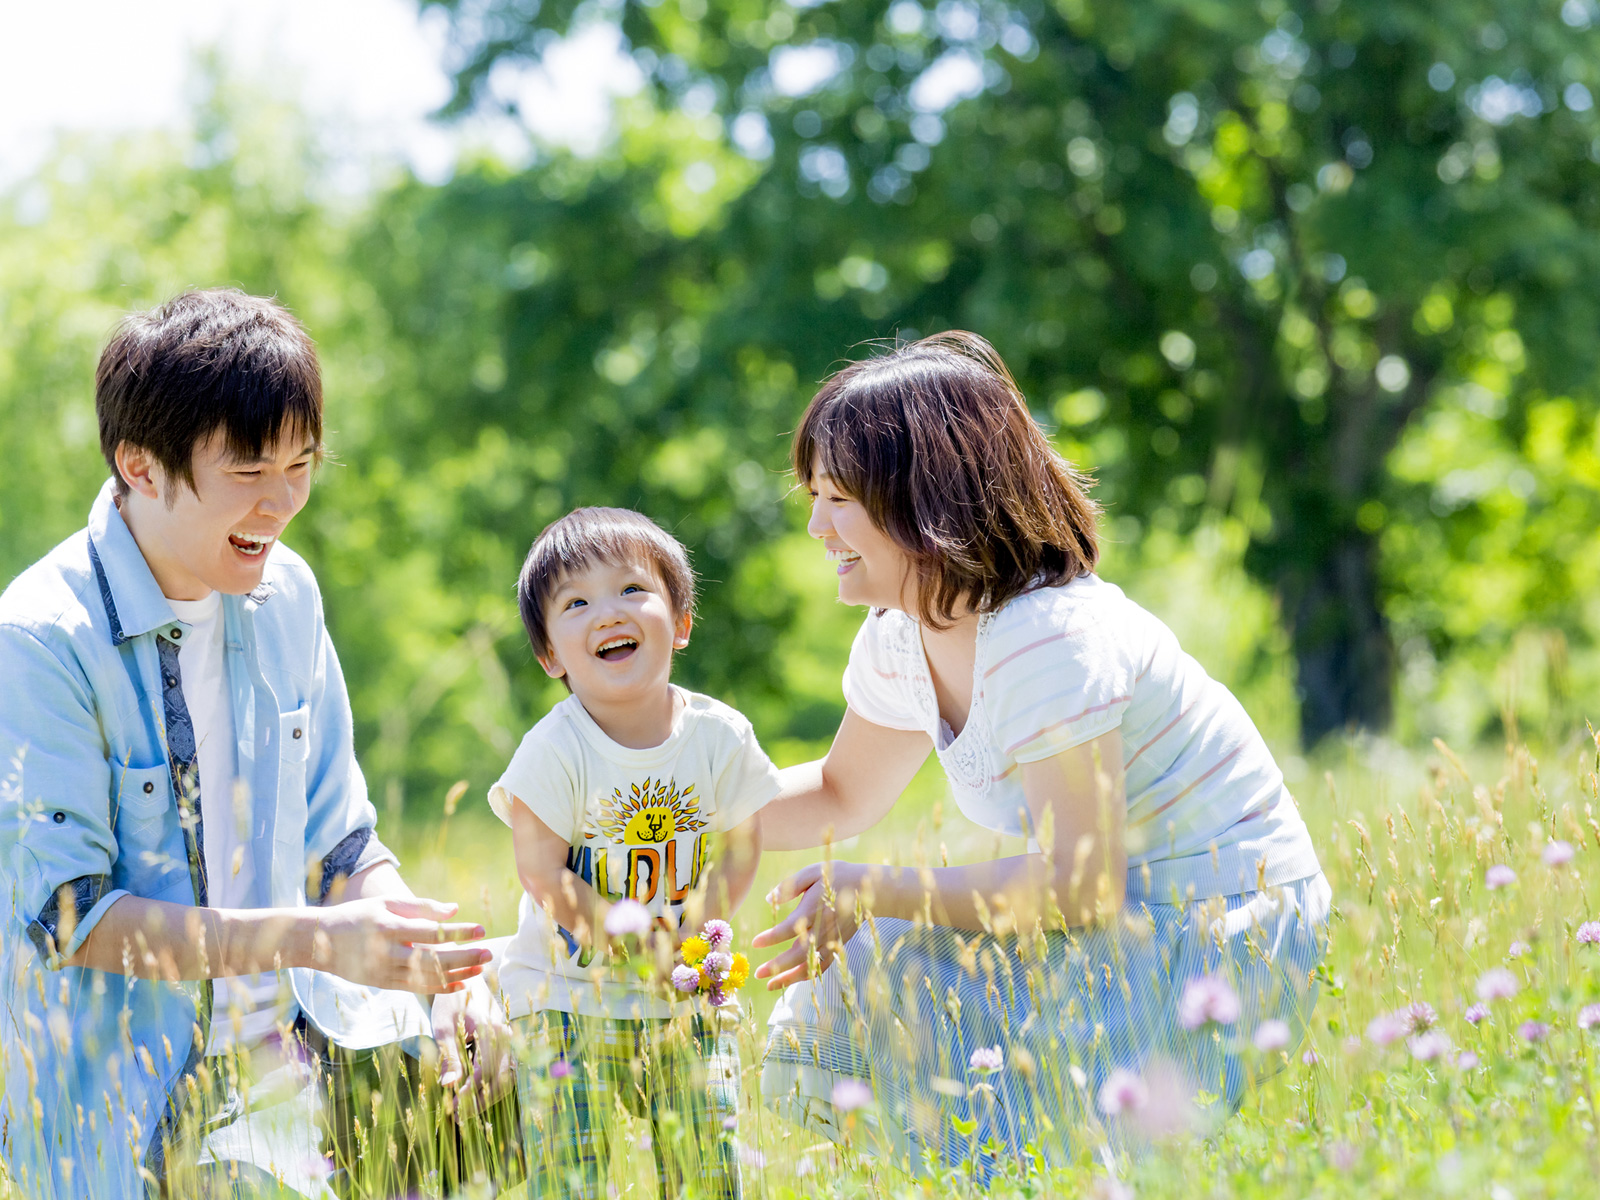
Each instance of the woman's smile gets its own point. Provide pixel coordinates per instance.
(846, 559)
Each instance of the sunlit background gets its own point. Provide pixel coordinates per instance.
(1303, 289)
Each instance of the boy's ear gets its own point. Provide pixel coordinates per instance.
(552, 666)
(681, 638)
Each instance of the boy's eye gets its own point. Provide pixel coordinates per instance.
(576, 602)
(631, 588)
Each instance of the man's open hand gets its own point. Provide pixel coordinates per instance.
(397, 943)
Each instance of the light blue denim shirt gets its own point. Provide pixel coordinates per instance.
(95, 1063)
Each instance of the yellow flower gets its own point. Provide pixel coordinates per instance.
(695, 949)
(705, 980)
(739, 972)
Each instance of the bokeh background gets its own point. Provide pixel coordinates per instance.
(1310, 288)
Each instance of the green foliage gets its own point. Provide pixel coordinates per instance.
(1233, 249)
(643, 327)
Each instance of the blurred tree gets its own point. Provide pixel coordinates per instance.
(1231, 250)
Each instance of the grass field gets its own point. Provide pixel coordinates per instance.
(1407, 839)
(1501, 1107)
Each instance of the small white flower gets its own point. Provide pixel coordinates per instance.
(851, 1094)
(627, 917)
(1123, 1092)
(1497, 983)
(1499, 876)
(1272, 1034)
(1558, 854)
(987, 1059)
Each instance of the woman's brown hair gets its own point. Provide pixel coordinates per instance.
(935, 440)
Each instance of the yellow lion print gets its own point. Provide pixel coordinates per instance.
(653, 812)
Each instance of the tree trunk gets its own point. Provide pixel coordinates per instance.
(1341, 642)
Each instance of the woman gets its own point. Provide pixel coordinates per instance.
(1170, 901)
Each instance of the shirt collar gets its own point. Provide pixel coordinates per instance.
(133, 598)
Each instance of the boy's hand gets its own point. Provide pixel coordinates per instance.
(470, 1027)
(397, 944)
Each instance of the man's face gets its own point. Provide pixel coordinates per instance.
(218, 535)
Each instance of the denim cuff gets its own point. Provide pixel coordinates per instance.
(79, 897)
(357, 851)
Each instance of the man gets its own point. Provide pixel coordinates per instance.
(200, 909)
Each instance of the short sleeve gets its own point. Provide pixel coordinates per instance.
(748, 781)
(876, 684)
(1056, 679)
(544, 778)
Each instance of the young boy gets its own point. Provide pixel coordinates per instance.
(617, 794)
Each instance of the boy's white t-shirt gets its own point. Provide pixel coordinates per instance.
(229, 832)
(638, 823)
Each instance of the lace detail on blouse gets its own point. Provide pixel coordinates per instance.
(966, 758)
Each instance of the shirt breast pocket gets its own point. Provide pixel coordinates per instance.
(294, 738)
(143, 799)
(294, 749)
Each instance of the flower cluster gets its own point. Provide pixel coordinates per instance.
(709, 965)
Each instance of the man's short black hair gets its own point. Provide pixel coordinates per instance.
(206, 361)
(585, 536)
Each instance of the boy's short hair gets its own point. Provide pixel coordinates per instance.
(203, 361)
(936, 442)
(586, 536)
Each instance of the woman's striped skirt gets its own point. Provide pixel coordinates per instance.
(1105, 1038)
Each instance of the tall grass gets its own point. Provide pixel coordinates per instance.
(1494, 1102)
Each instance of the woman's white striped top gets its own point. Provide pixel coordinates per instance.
(1208, 811)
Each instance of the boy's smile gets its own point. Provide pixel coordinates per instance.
(612, 633)
(617, 649)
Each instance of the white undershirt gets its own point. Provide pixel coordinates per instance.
(231, 823)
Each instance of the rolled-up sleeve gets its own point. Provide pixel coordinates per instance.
(56, 843)
(341, 823)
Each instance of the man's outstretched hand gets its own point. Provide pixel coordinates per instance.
(397, 943)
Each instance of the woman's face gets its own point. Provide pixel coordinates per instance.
(873, 569)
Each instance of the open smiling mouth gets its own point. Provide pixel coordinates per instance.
(251, 547)
(617, 649)
(845, 559)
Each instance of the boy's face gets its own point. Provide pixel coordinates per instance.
(612, 632)
(218, 535)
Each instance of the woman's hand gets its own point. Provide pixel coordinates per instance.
(825, 919)
(395, 942)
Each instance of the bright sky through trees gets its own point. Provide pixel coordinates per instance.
(368, 71)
